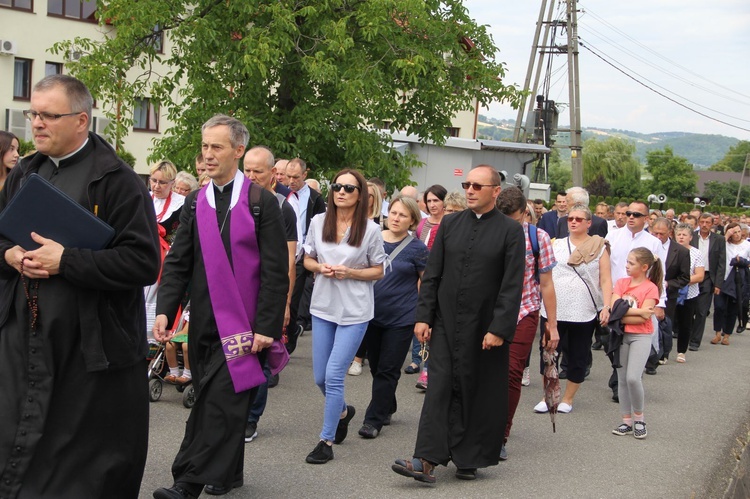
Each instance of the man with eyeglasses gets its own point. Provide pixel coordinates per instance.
(470, 289)
(307, 203)
(73, 326)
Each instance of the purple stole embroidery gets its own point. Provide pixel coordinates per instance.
(233, 290)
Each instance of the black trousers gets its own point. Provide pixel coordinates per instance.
(684, 315)
(386, 350)
(702, 307)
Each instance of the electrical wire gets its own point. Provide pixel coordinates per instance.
(657, 54)
(660, 68)
(582, 44)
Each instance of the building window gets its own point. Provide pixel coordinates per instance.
(22, 79)
(84, 10)
(17, 4)
(52, 68)
(145, 116)
(452, 131)
(157, 40)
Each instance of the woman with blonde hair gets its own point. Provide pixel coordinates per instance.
(167, 203)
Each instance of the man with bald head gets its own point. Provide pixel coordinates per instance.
(410, 191)
(471, 286)
(258, 166)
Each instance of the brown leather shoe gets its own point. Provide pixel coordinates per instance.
(725, 339)
(717, 339)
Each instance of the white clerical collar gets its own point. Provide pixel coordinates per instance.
(239, 178)
(56, 161)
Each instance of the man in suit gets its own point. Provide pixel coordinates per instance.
(308, 204)
(676, 276)
(579, 195)
(548, 222)
(713, 247)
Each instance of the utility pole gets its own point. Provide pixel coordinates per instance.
(576, 160)
(545, 48)
(742, 178)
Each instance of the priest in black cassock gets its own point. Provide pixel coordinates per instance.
(73, 385)
(231, 248)
(468, 305)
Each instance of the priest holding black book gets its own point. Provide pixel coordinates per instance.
(72, 320)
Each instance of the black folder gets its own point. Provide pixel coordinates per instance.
(40, 207)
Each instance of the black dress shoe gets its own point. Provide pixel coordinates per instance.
(466, 473)
(651, 370)
(597, 345)
(173, 492)
(273, 381)
(693, 348)
(563, 374)
(215, 490)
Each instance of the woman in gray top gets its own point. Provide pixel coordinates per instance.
(346, 250)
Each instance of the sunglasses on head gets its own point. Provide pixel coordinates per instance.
(634, 214)
(577, 219)
(475, 186)
(348, 188)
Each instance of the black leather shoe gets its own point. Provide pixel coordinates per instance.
(693, 348)
(616, 397)
(597, 345)
(215, 490)
(651, 370)
(173, 492)
(563, 374)
(466, 473)
(273, 381)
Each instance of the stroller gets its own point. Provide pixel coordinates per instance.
(158, 369)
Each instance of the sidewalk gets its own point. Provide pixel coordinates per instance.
(697, 415)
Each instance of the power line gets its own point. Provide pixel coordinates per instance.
(667, 90)
(662, 69)
(581, 43)
(660, 56)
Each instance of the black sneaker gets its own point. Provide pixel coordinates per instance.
(623, 429)
(639, 429)
(292, 336)
(251, 431)
(342, 430)
(368, 431)
(321, 454)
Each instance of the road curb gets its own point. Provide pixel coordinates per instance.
(739, 481)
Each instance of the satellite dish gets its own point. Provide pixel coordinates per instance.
(661, 198)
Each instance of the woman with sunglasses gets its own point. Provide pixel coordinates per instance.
(167, 203)
(345, 250)
(583, 284)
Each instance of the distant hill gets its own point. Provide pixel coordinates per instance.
(702, 150)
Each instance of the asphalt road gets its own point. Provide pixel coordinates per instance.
(697, 415)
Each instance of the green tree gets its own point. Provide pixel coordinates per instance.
(559, 178)
(309, 79)
(725, 193)
(605, 162)
(672, 175)
(734, 159)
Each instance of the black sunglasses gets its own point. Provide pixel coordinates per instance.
(634, 214)
(476, 186)
(348, 188)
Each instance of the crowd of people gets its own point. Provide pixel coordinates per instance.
(232, 265)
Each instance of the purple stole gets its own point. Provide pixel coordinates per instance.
(233, 289)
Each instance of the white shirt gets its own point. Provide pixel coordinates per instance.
(735, 250)
(704, 246)
(696, 260)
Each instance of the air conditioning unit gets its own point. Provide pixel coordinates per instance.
(8, 47)
(74, 54)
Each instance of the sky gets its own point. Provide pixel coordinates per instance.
(695, 52)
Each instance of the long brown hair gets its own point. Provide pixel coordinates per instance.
(6, 139)
(654, 273)
(359, 222)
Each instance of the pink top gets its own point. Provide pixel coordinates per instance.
(637, 295)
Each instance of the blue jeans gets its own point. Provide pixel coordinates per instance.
(333, 348)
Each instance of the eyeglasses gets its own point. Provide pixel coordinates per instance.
(475, 186)
(160, 182)
(634, 214)
(577, 219)
(348, 188)
(46, 117)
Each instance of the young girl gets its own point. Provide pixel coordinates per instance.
(642, 290)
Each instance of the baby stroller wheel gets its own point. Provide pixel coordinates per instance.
(154, 390)
(188, 397)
